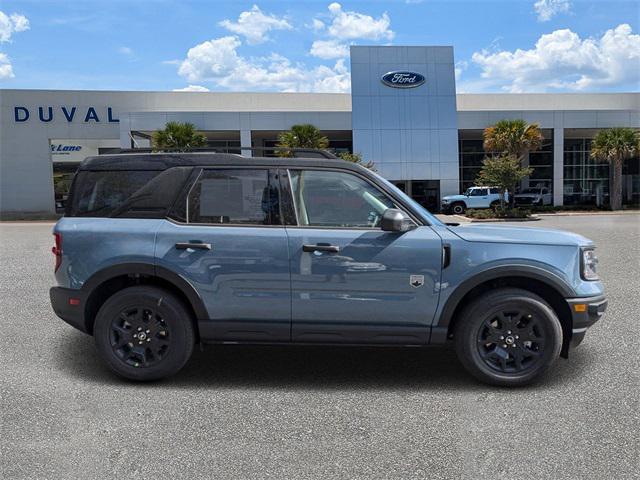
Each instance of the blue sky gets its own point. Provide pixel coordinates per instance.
(500, 46)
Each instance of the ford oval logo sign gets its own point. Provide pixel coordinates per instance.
(401, 79)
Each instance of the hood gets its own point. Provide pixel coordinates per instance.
(454, 197)
(527, 195)
(508, 234)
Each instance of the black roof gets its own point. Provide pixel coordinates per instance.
(163, 161)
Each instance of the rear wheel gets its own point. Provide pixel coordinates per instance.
(458, 208)
(509, 337)
(144, 333)
(495, 204)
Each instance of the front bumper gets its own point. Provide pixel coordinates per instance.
(69, 304)
(585, 312)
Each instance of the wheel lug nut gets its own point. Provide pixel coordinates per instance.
(517, 337)
(148, 331)
(135, 335)
(508, 332)
(501, 337)
(148, 339)
(504, 345)
(139, 329)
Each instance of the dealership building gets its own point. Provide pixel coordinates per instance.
(412, 124)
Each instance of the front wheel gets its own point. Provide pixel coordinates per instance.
(144, 333)
(509, 337)
(458, 208)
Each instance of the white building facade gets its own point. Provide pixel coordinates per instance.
(403, 114)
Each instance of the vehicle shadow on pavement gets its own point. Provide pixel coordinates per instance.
(308, 367)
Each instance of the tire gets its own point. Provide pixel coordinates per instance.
(495, 204)
(458, 208)
(527, 325)
(144, 333)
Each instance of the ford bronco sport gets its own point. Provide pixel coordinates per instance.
(158, 252)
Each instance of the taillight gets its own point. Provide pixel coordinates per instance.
(57, 250)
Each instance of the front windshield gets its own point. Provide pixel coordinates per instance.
(530, 190)
(431, 218)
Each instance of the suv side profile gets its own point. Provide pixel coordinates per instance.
(473, 197)
(157, 252)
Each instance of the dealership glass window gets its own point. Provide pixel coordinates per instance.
(586, 181)
(240, 197)
(472, 154)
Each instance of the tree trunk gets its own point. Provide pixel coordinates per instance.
(616, 194)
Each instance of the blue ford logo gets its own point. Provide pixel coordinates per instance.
(401, 79)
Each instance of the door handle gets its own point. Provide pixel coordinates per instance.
(321, 248)
(193, 245)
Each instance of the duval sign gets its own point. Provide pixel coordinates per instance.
(47, 114)
(403, 79)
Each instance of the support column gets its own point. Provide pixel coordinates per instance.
(245, 142)
(558, 166)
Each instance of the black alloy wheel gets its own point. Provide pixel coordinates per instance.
(144, 333)
(140, 337)
(511, 340)
(507, 337)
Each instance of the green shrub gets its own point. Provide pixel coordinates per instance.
(489, 213)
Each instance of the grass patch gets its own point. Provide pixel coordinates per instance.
(489, 213)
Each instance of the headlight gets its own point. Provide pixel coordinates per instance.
(589, 264)
(445, 200)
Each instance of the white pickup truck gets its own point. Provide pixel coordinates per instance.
(474, 197)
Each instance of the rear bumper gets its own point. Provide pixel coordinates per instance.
(68, 304)
(585, 312)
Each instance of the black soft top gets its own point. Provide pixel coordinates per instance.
(164, 161)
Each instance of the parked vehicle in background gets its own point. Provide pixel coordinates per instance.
(157, 252)
(538, 196)
(473, 197)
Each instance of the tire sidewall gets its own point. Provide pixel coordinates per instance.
(174, 314)
(458, 206)
(466, 341)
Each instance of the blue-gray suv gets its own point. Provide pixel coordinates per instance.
(157, 252)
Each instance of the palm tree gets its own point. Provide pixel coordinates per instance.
(357, 158)
(514, 139)
(177, 137)
(301, 136)
(615, 145)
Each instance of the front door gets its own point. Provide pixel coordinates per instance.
(351, 281)
(227, 240)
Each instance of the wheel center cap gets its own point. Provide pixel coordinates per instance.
(509, 340)
(142, 336)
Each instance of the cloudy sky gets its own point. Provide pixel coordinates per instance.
(500, 46)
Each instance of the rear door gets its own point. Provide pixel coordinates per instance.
(226, 238)
(351, 281)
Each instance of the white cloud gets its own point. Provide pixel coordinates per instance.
(317, 25)
(192, 88)
(218, 61)
(127, 51)
(6, 70)
(351, 25)
(10, 24)
(547, 9)
(328, 49)
(255, 24)
(561, 60)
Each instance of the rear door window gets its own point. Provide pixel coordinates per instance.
(234, 197)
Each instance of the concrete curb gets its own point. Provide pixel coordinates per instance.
(494, 220)
(571, 214)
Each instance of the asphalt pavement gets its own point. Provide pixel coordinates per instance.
(316, 412)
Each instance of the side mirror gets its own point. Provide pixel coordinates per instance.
(393, 220)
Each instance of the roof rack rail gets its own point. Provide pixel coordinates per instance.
(265, 151)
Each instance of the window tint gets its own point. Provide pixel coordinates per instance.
(477, 192)
(337, 199)
(98, 194)
(248, 197)
(494, 191)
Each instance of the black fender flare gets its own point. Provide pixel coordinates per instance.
(440, 330)
(150, 270)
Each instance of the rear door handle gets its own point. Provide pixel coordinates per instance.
(321, 248)
(193, 245)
